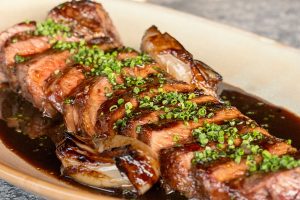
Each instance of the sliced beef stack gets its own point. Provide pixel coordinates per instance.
(36, 65)
(115, 168)
(200, 168)
(27, 46)
(123, 109)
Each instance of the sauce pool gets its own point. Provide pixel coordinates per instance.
(40, 152)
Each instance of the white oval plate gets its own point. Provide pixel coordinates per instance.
(256, 64)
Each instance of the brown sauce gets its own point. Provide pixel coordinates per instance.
(40, 152)
(278, 121)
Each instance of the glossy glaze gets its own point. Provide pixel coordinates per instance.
(40, 152)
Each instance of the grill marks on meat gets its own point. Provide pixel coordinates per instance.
(5, 38)
(177, 61)
(27, 47)
(126, 164)
(32, 76)
(276, 185)
(144, 117)
(214, 186)
(60, 85)
(229, 170)
(176, 168)
(52, 85)
(107, 119)
(89, 96)
(88, 102)
(219, 179)
(161, 135)
(88, 20)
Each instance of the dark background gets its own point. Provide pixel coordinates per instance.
(276, 19)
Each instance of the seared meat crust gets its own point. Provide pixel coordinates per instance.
(111, 127)
(89, 21)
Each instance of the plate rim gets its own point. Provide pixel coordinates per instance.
(44, 188)
(39, 187)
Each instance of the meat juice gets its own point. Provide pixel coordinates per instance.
(40, 152)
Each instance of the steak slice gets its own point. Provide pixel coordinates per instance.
(283, 184)
(6, 36)
(30, 46)
(161, 135)
(32, 76)
(220, 179)
(60, 85)
(107, 118)
(81, 112)
(176, 169)
(25, 49)
(177, 61)
(208, 186)
(14, 30)
(89, 101)
(148, 117)
(88, 20)
(92, 93)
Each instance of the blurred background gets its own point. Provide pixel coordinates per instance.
(276, 19)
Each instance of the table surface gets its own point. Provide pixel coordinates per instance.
(275, 19)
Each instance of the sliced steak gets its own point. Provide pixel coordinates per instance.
(96, 27)
(7, 35)
(61, 84)
(15, 30)
(81, 112)
(213, 185)
(89, 101)
(229, 170)
(32, 76)
(161, 135)
(71, 117)
(284, 184)
(25, 48)
(107, 118)
(176, 169)
(92, 93)
(179, 173)
(144, 117)
(218, 179)
(88, 20)
(177, 61)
